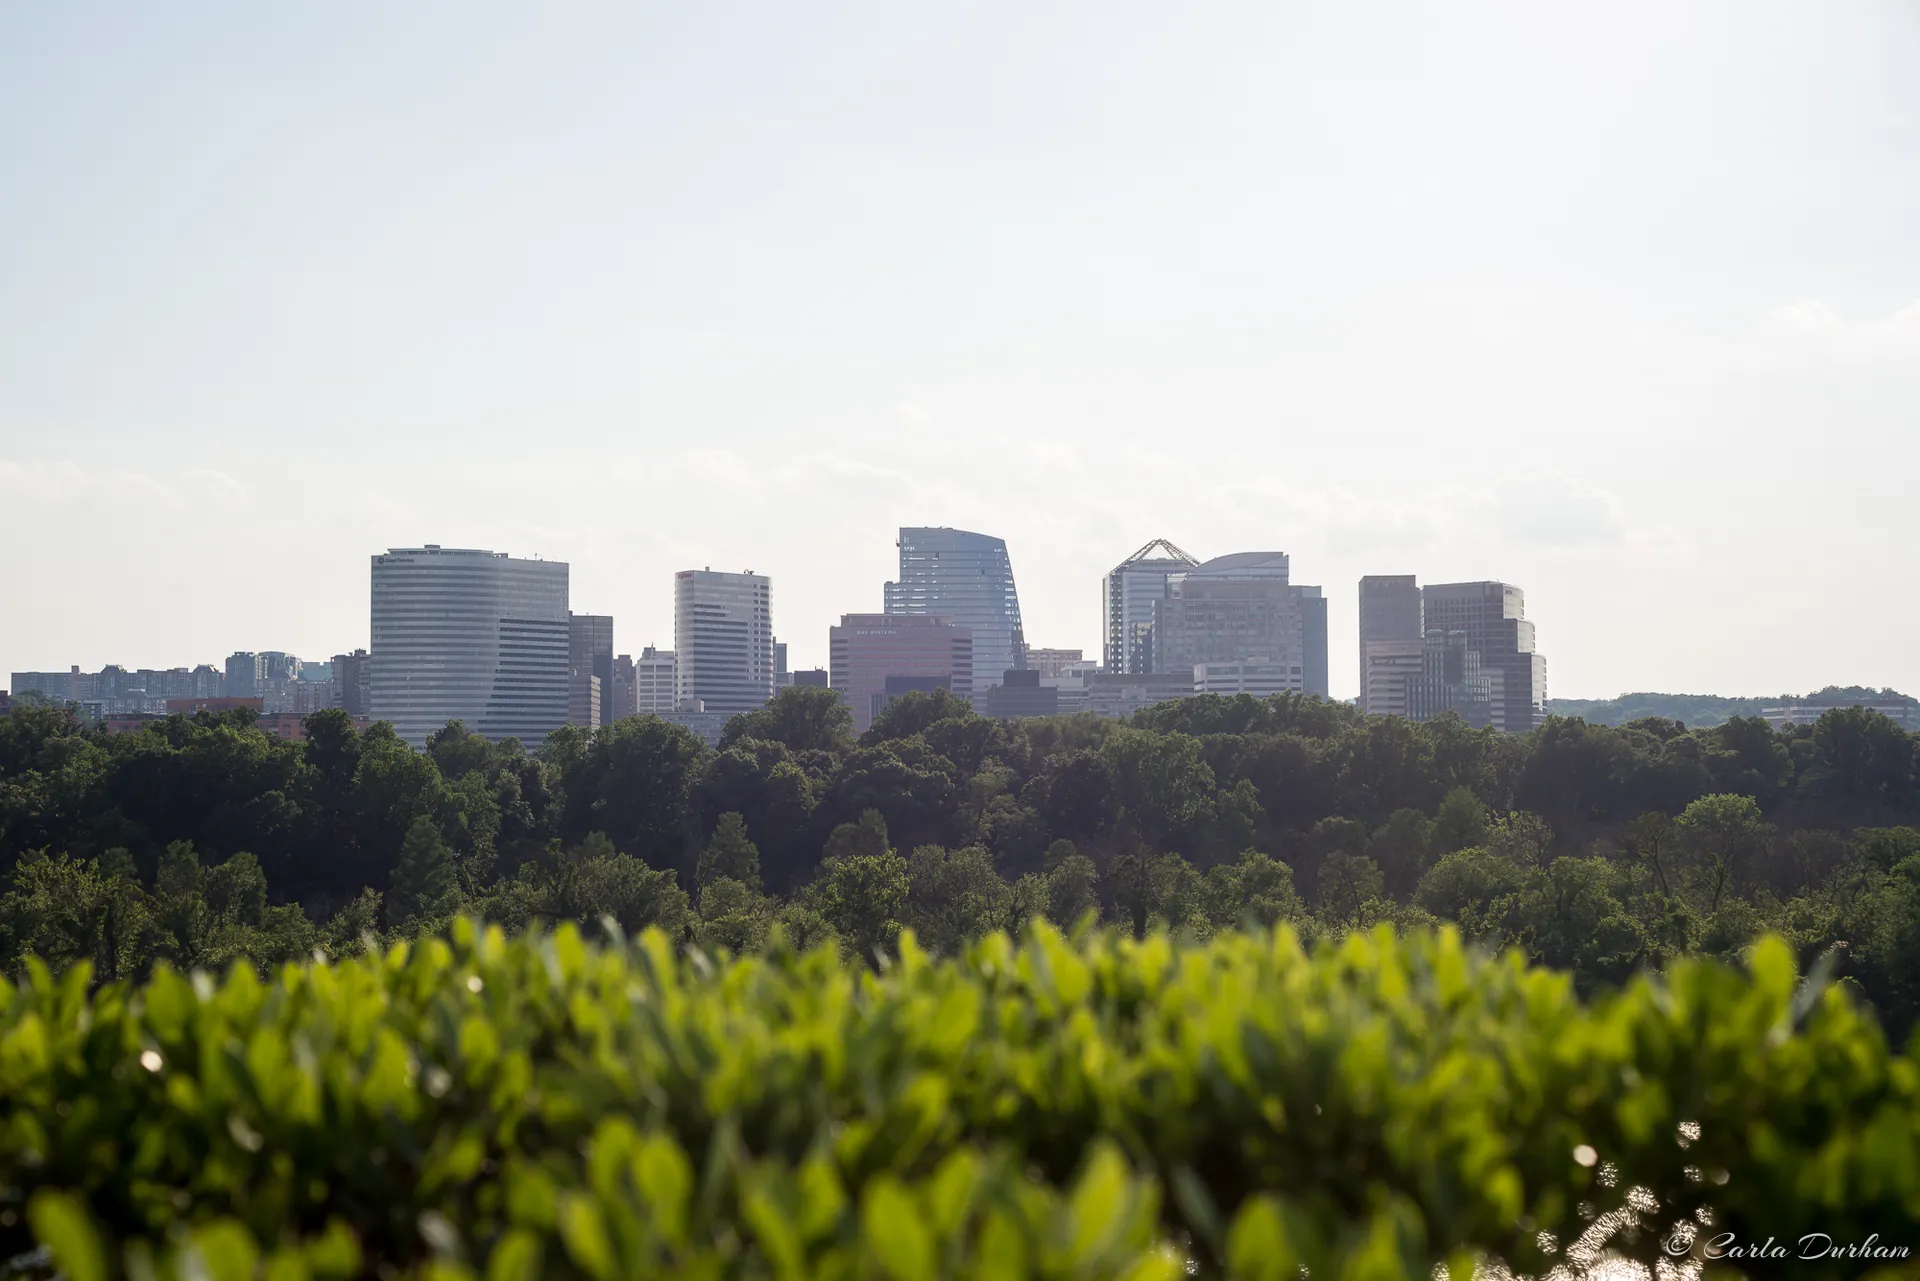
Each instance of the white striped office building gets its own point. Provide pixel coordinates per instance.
(470, 636)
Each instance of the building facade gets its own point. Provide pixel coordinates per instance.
(1121, 694)
(589, 660)
(722, 641)
(1493, 617)
(350, 673)
(967, 578)
(866, 651)
(1390, 622)
(1127, 596)
(1451, 679)
(656, 676)
(1055, 662)
(1249, 676)
(1230, 609)
(1021, 694)
(621, 699)
(473, 636)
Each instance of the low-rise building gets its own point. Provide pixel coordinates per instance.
(1020, 694)
(1256, 676)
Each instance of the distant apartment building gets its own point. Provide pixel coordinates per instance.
(968, 578)
(117, 691)
(1249, 676)
(722, 640)
(1127, 596)
(1493, 617)
(589, 668)
(866, 651)
(656, 674)
(473, 636)
(813, 678)
(1392, 633)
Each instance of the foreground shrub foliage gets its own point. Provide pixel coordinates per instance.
(1102, 1106)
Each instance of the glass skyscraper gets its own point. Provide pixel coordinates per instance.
(969, 578)
(469, 636)
(1127, 596)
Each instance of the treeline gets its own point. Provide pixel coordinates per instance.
(1706, 710)
(1599, 850)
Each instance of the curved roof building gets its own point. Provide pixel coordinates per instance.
(470, 636)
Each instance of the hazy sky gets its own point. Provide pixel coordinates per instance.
(1617, 302)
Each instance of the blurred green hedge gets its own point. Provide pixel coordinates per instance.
(543, 1106)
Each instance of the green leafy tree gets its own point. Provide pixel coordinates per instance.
(730, 855)
(802, 718)
(910, 714)
(733, 917)
(1460, 823)
(861, 892)
(425, 888)
(954, 896)
(1348, 882)
(1718, 838)
(597, 881)
(1257, 889)
(66, 910)
(1072, 889)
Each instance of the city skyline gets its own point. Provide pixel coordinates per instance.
(751, 298)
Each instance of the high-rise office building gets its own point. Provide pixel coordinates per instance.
(1313, 639)
(1451, 679)
(472, 636)
(870, 656)
(1127, 596)
(656, 675)
(350, 674)
(243, 676)
(781, 676)
(583, 701)
(968, 578)
(1391, 632)
(1493, 618)
(622, 700)
(722, 641)
(589, 656)
(1232, 609)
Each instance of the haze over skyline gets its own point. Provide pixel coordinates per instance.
(1621, 306)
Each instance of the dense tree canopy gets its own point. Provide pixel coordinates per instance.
(1596, 848)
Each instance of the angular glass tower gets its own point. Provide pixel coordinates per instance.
(969, 578)
(470, 636)
(1127, 595)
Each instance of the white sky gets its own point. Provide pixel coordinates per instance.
(1619, 302)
